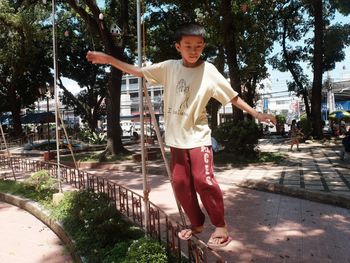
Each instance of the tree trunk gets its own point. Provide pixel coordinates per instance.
(294, 74)
(250, 94)
(114, 141)
(228, 30)
(213, 108)
(92, 122)
(318, 70)
(15, 106)
(306, 102)
(214, 105)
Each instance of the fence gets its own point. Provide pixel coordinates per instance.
(127, 202)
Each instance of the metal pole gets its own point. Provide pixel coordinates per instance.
(162, 148)
(54, 42)
(141, 111)
(48, 123)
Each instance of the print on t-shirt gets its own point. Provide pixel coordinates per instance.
(182, 95)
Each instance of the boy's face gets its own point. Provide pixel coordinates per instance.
(190, 48)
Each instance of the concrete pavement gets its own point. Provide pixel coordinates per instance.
(25, 239)
(269, 227)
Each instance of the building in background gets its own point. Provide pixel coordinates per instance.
(336, 96)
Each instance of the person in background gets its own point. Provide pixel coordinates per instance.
(342, 127)
(345, 146)
(335, 128)
(295, 134)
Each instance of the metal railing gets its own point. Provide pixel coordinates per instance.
(161, 226)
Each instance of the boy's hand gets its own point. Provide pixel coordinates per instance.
(267, 118)
(97, 57)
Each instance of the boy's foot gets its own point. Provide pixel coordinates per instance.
(298, 150)
(219, 238)
(186, 234)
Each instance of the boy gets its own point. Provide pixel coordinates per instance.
(189, 83)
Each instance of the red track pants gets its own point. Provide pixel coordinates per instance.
(193, 173)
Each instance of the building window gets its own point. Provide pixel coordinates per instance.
(134, 81)
(134, 95)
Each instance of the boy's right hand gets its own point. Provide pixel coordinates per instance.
(96, 57)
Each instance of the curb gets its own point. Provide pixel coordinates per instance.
(43, 215)
(321, 197)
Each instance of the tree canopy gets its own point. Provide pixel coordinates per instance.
(24, 57)
(240, 38)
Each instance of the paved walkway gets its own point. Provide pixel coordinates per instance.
(25, 239)
(268, 227)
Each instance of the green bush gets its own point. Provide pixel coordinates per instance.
(305, 126)
(240, 138)
(280, 119)
(146, 250)
(94, 224)
(97, 138)
(89, 136)
(42, 183)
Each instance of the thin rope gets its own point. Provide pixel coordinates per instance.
(69, 145)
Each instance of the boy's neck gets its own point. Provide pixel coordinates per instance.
(192, 65)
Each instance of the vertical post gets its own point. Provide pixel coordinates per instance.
(141, 111)
(54, 42)
(48, 122)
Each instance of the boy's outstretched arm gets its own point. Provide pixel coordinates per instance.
(262, 117)
(101, 58)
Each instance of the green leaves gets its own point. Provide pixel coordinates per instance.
(240, 138)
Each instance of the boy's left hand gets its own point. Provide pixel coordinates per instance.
(267, 118)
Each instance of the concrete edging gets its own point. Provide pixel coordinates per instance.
(36, 210)
(325, 198)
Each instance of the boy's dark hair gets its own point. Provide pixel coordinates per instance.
(189, 29)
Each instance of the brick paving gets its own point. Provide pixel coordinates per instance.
(269, 227)
(316, 168)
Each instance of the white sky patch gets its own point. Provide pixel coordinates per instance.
(71, 85)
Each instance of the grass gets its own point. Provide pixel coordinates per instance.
(263, 157)
(219, 158)
(23, 190)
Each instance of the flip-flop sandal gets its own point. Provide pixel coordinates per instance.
(223, 243)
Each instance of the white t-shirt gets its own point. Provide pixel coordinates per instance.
(186, 94)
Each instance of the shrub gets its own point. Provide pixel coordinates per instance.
(280, 119)
(305, 126)
(146, 250)
(94, 224)
(240, 138)
(97, 138)
(92, 137)
(42, 183)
